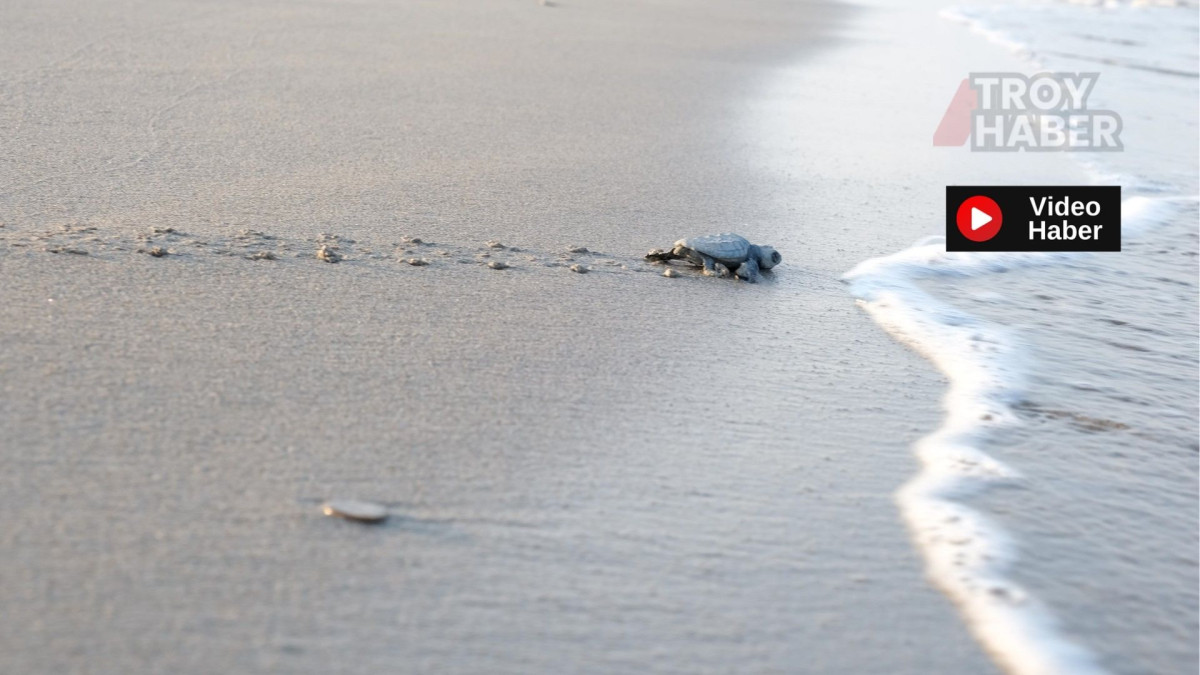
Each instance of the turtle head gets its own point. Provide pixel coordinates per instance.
(768, 257)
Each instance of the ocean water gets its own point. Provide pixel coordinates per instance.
(1056, 504)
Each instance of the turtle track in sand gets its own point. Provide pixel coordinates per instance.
(253, 246)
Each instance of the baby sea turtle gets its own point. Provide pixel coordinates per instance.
(720, 255)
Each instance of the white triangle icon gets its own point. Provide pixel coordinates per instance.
(979, 219)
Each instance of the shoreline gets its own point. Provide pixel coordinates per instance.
(610, 471)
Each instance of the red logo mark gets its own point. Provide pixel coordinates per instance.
(955, 127)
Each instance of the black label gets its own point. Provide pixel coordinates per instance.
(1033, 218)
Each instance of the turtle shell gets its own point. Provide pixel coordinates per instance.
(726, 247)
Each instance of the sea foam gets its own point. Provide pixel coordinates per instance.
(966, 554)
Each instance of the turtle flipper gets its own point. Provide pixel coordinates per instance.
(748, 271)
(712, 268)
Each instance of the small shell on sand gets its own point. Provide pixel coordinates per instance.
(417, 262)
(578, 249)
(261, 255)
(494, 244)
(328, 255)
(156, 251)
(579, 269)
(497, 265)
(670, 273)
(414, 240)
(362, 512)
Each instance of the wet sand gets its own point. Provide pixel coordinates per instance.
(608, 472)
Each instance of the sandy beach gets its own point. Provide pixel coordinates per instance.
(591, 473)
(598, 470)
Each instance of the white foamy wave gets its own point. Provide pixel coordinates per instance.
(1147, 58)
(966, 555)
(1141, 213)
(1137, 38)
(977, 25)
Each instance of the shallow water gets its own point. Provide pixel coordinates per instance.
(1092, 505)
(1107, 443)
(1110, 414)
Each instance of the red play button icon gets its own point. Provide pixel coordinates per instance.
(979, 218)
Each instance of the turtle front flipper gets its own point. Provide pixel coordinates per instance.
(712, 268)
(748, 271)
